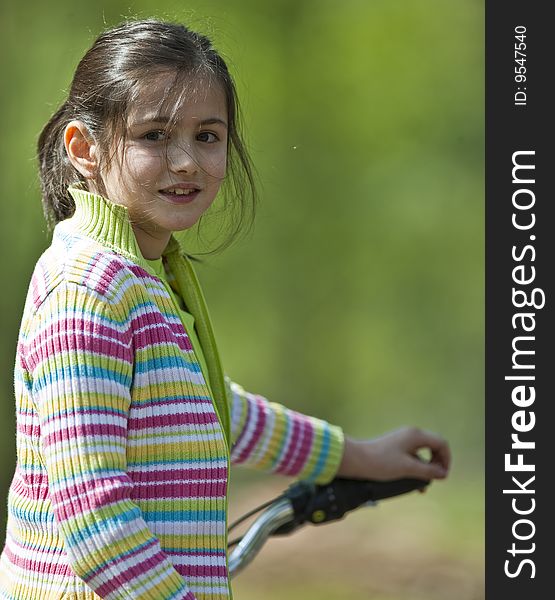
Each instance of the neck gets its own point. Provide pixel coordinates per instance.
(151, 246)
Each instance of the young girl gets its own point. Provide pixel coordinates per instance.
(126, 424)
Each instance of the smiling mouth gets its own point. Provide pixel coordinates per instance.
(179, 191)
(180, 195)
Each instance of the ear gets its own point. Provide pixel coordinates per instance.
(81, 148)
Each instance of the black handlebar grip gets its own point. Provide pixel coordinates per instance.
(323, 503)
(355, 492)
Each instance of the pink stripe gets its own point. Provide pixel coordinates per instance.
(29, 489)
(178, 475)
(38, 284)
(142, 273)
(83, 430)
(151, 318)
(38, 566)
(291, 447)
(211, 489)
(161, 335)
(199, 571)
(21, 353)
(105, 274)
(82, 328)
(304, 451)
(30, 477)
(29, 430)
(177, 327)
(77, 335)
(128, 574)
(35, 296)
(258, 430)
(186, 571)
(41, 552)
(217, 555)
(189, 418)
(91, 494)
(76, 411)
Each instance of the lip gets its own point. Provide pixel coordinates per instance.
(181, 198)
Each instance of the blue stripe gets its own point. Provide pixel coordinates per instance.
(163, 362)
(144, 462)
(83, 410)
(319, 467)
(181, 398)
(160, 516)
(151, 307)
(31, 514)
(87, 525)
(81, 371)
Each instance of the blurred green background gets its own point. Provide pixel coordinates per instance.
(359, 295)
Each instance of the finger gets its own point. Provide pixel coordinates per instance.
(442, 457)
(426, 470)
(441, 454)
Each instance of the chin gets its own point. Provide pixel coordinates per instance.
(182, 224)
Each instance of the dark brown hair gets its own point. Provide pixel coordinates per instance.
(105, 83)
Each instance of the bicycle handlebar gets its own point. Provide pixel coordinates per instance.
(319, 504)
(305, 502)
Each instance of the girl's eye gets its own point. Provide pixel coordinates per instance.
(207, 136)
(155, 136)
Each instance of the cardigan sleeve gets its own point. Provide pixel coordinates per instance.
(80, 362)
(269, 437)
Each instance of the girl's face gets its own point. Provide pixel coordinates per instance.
(167, 181)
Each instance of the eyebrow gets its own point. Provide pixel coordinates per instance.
(166, 119)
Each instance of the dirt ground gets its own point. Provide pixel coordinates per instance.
(379, 553)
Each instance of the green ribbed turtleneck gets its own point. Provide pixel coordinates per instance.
(186, 317)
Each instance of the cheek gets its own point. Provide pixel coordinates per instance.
(143, 164)
(218, 164)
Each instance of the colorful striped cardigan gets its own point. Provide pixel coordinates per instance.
(123, 450)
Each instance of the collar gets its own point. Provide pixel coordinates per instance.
(109, 224)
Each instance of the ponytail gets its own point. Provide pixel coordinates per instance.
(55, 170)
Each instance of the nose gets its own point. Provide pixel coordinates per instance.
(183, 160)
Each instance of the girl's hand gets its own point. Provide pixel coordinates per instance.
(395, 455)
